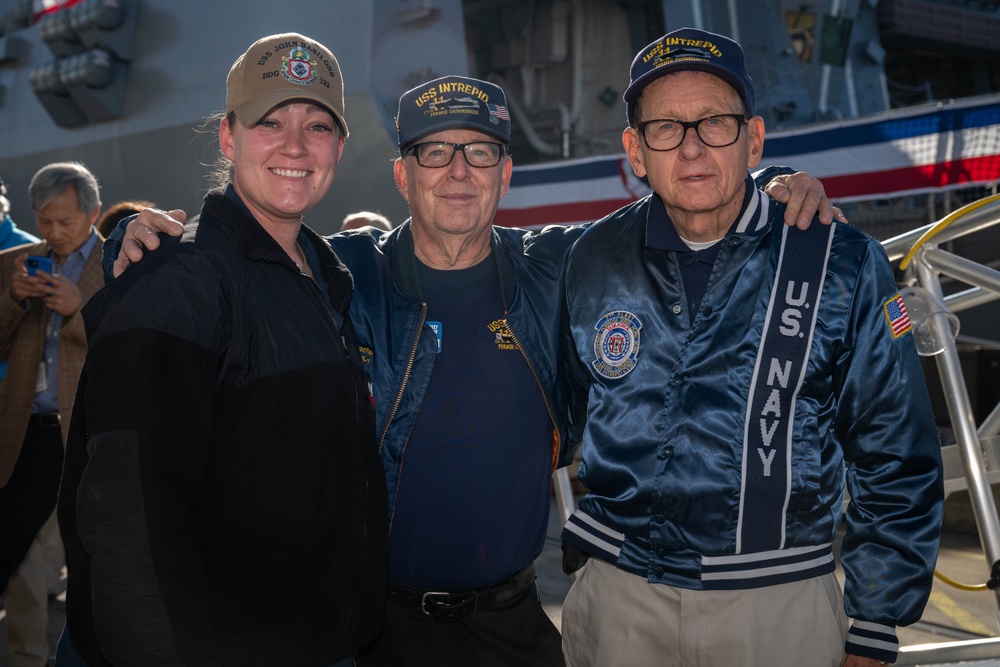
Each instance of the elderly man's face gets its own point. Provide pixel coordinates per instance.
(457, 200)
(63, 225)
(701, 186)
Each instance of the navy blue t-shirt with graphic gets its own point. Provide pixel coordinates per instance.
(473, 496)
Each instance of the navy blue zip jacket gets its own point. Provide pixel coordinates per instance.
(399, 348)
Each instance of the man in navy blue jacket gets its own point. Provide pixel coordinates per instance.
(734, 381)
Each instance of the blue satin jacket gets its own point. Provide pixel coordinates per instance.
(399, 348)
(663, 438)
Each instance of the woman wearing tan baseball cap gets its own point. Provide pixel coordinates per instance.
(223, 499)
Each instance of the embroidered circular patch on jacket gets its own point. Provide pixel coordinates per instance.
(617, 344)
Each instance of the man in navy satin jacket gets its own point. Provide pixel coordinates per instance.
(736, 381)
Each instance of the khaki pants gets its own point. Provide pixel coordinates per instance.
(27, 596)
(611, 617)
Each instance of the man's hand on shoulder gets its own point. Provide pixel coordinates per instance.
(142, 234)
(804, 197)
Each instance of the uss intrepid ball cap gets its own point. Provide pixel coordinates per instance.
(452, 102)
(280, 68)
(690, 49)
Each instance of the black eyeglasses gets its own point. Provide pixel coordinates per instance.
(666, 134)
(435, 154)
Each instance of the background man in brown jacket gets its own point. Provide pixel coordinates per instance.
(42, 335)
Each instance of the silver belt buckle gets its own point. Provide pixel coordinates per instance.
(423, 601)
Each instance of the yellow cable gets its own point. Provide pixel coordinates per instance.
(960, 586)
(943, 223)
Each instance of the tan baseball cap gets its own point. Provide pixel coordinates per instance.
(279, 68)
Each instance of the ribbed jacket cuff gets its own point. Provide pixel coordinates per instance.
(873, 640)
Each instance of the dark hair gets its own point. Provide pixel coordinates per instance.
(111, 217)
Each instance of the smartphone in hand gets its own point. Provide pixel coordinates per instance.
(35, 264)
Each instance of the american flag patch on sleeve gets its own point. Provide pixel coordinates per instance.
(895, 314)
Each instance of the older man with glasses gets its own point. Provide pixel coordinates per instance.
(735, 379)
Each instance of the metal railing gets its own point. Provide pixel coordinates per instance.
(967, 461)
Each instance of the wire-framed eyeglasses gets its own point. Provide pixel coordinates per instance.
(666, 134)
(435, 154)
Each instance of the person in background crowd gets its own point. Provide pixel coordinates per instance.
(116, 212)
(223, 502)
(362, 219)
(10, 237)
(733, 382)
(43, 286)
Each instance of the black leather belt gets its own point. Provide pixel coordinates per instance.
(44, 419)
(449, 606)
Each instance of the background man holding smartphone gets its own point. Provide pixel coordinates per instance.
(42, 335)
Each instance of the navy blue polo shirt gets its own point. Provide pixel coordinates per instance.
(696, 265)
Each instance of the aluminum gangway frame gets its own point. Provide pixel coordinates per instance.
(973, 461)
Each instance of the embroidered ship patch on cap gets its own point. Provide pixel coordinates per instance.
(297, 67)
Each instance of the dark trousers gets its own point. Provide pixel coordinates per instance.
(517, 635)
(30, 496)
